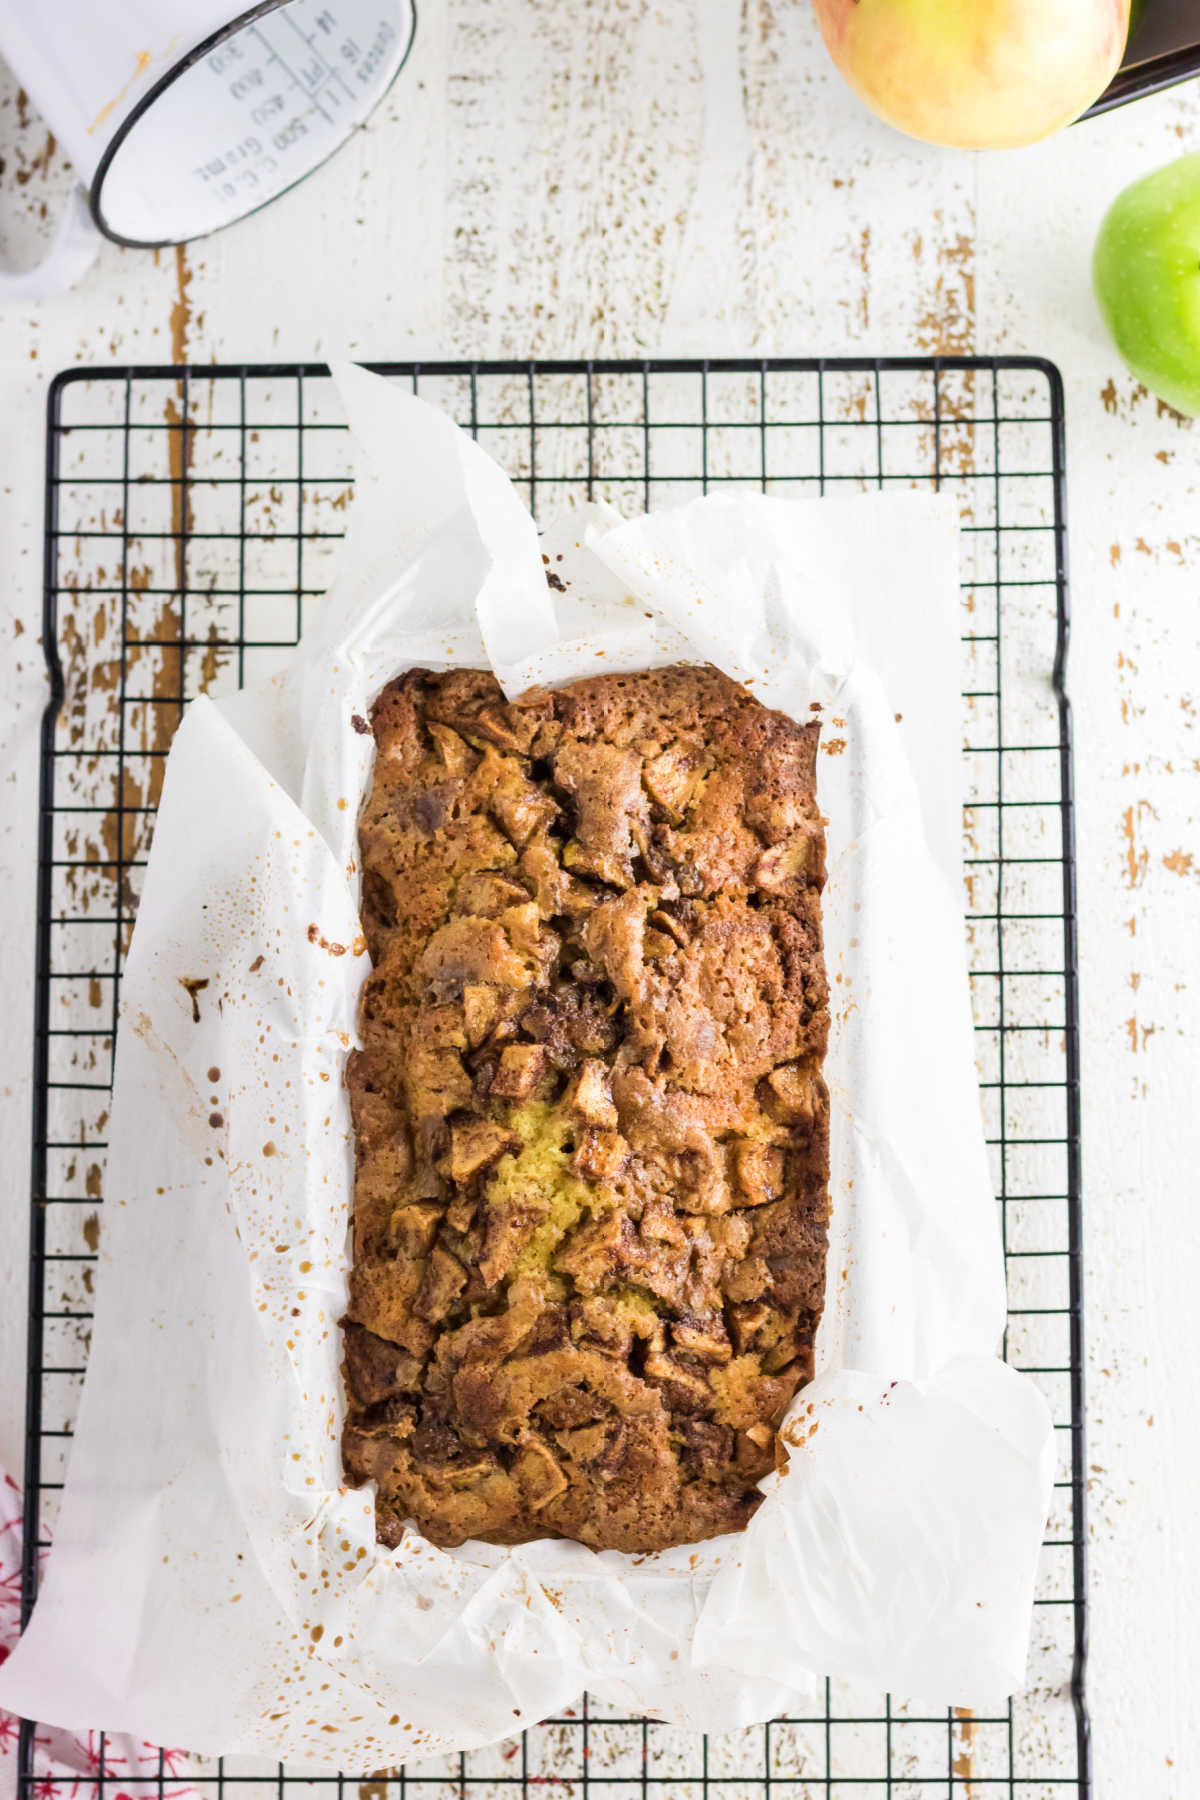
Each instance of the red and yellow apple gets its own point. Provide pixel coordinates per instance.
(980, 74)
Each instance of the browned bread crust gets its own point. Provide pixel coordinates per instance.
(592, 1133)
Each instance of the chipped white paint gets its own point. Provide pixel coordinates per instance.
(561, 177)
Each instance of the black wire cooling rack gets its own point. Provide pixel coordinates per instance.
(191, 522)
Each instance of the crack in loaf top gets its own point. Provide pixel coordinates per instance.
(591, 1130)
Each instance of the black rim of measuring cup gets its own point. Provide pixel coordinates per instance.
(197, 55)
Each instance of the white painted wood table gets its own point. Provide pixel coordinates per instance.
(559, 178)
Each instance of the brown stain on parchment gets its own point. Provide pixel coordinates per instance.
(193, 986)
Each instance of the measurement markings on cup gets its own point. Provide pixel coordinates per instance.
(261, 74)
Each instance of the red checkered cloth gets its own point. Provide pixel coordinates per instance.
(67, 1763)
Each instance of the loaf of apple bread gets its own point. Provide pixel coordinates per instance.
(591, 1129)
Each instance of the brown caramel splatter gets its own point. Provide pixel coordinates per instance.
(315, 937)
(194, 986)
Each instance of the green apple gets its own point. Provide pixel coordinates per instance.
(1146, 272)
(981, 74)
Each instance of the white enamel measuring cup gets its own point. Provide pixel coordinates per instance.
(181, 119)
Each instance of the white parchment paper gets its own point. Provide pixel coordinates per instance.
(212, 1584)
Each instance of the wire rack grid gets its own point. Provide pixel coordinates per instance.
(192, 519)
